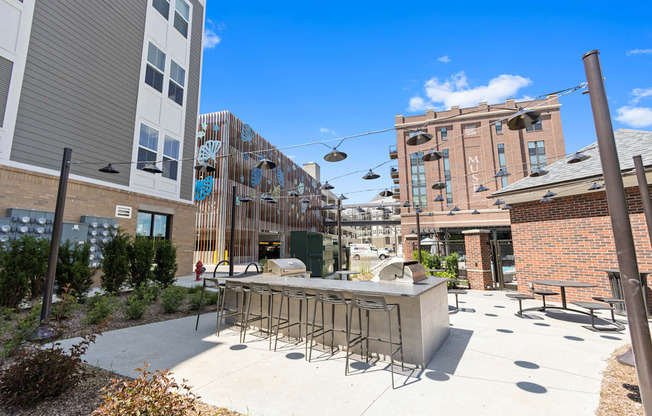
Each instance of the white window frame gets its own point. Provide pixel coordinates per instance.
(186, 20)
(179, 83)
(168, 158)
(154, 65)
(141, 164)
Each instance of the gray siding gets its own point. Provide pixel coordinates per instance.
(194, 72)
(6, 68)
(80, 86)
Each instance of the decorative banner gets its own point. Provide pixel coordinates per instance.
(203, 188)
(304, 208)
(200, 134)
(204, 126)
(301, 188)
(234, 153)
(216, 127)
(247, 133)
(256, 176)
(280, 177)
(295, 181)
(242, 178)
(209, 150)
(237, 200)
(276, 193)
(246, 156)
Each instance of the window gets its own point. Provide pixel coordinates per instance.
(535, 127)
(444, 133)
(447, 177)
(418, 170)
(170, 158)
(503, 164)
(155, 68)
(470, 130)
(6, 68)
(163, 7)
(537, 153)
(181, 17)
(150, 224)
(177, 82)
(147, 146)
(499, 127)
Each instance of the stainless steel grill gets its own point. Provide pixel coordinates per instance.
(286, 267)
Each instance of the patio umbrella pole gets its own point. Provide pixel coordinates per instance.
(622, 229)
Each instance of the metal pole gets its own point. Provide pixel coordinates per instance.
(232, 237)
(418, 235)
(339, 234)
(624, 241)
(48, 289)
(645, 193)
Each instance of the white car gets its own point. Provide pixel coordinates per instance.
(367, 251)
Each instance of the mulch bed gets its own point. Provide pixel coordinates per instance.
(620, 394)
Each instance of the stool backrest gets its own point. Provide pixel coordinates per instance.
(335, 297)
(234, 286)
(261, 288)
(369, 302)
(294, 292)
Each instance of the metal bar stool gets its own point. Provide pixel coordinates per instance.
(290, 293)
(209, 282)
(371, 303)
(330, 297)
(263, 290)
(223, 311)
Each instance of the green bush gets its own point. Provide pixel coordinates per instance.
(147, 292)
(115, 263)
(141, 257)
(211, 297)
(15, 335)
(195, 301)
(429, 261)
(451, 262)
(73, 270)
(134, 307)
(194, 289)
(22, 270)
(165, 258)
(99, 308)
(172, 298)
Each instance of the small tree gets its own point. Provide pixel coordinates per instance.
(73, 270)
(141, 257)
(115, 263)
(452, 261)
(166, 263)
(22, 270)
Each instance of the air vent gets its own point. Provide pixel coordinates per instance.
(122, 212)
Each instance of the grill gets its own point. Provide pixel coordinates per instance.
(286, 267)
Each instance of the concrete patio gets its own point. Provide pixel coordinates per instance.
(492, 363)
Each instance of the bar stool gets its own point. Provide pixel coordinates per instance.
(330, 297)
(223, 312)
(371, 303)
(210, 282)
(290, 293)
(263, 290)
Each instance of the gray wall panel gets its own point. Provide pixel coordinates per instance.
(81, 84)
(6, 68)
(194, 72)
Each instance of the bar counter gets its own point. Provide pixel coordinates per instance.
(424, 311)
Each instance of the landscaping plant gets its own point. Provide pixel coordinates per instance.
(14, 335)
(99, 308)
(134, 307)
(73, 269)
(452, 267)
(165, 258)
(172, 298)
(115, 263)
(22, 270)
(158, 395)
(147, 292)
(141, 257)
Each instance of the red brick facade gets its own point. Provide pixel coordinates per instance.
(478, 259)
(571, 238)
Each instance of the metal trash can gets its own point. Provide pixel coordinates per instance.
(616, 284)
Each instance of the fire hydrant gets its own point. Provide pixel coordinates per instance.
(199, 269)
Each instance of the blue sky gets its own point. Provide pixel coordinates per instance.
(308, 71)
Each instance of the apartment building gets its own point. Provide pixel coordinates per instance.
(475, 144)
(117, 82)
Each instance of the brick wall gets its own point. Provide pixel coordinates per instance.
(571, 238)
(30, 190)
(478, 259)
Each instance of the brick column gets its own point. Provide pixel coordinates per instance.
(478, 259)
(408, 250)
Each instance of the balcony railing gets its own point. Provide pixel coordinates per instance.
(393, 153)
(393, 172)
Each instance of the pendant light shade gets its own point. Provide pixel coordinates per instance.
(523, 119)
(498, 202)
(439, 185)
(293, 193)
(538, 172)
(506, 207)
(204, 167)
(360, 210)
(343, 197)
(406, 204)
(386, 193)
(501, 173)
(455, 209)
(271, 200)
(549, 194)
(432, 156)
(380, 208)
(418, 210)
(482, 188)
(246, 199)
(578, 157)
(371, 175)
(152, 168)
(595, 187)
(546, 199)
(438, 198)
(305, 201)
(418, 137)
(327, 186)
(264, 163)
(108, 169)
(450, 212)
(335, 156)
(475, 212)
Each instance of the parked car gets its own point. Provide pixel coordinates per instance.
(368, 251)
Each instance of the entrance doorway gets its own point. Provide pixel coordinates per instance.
(269, 245)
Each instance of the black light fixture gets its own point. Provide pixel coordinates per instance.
(432, 156)
(546, 199)
(152, 168)
(380, 208)
(327, 186)
(360, 210)
(246, 199)
(438, 198)
(523, 118)
(450, 212)
(386, 193)
(418, 210)
(305, 201)
(342, 197)
(264, 163)
(549, 194)
(439, 185)
(578, 157)
(266, 197)
(418, 137)
(506, 207)
(335, 156)
(293, 193)
(108, 169)
(271, 200)
(406, 204)
(595, 187)
(501, 173)
(204, 167)
(371, 175)
(455, 209)
(481, 188)
(475, 212)
(498, 202)
(538, 172)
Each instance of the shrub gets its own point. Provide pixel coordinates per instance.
(141, 257)
(195, 300)
(147, 292)
(14, 336)
(194, 289)
(451, 262)
(115, 263)
(172, 298)
(134, 307)
(165, 259)
(159, 395)
(73, 270)
(22, 270)
(99, 308)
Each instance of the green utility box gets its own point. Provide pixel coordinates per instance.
(310, 248)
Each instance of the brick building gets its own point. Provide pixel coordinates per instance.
(473, 149)
(124, 90)
(570, 237)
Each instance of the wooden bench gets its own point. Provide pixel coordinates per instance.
(520, 297)
(456, 292)
(593, 306)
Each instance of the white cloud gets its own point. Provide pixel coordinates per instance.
(210, 39)
(456, 91)
(639, 52)
(635, 116)
(445, 59)
(640, 93)
(324, 130)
